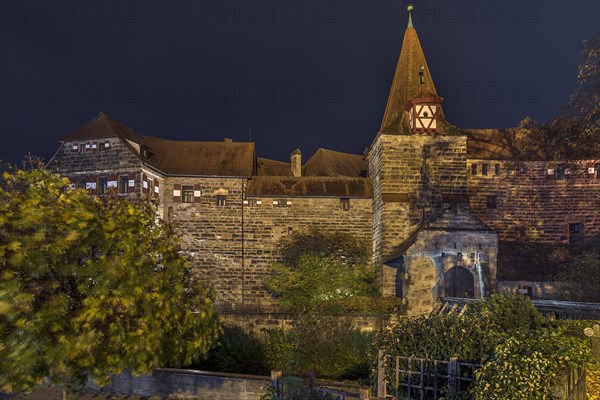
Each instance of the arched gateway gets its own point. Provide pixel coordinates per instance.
(459, 282)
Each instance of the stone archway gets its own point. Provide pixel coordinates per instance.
(459, 282)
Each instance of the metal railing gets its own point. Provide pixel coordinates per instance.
(411, 378)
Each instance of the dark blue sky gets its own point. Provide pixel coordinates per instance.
(300, 74)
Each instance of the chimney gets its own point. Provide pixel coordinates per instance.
(296, 163)
(228, 140)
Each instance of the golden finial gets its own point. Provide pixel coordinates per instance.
(410, 9)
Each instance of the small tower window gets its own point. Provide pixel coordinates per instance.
(473, 169)
(576, 233)
(492, 201)
(221, 200)
(345, 204)
(497, 169)
(560, 172)
(484, 169)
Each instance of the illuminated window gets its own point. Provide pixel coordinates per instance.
(187, 194)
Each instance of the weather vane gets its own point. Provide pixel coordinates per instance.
(410, 9)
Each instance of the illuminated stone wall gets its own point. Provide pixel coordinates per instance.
(531, 204)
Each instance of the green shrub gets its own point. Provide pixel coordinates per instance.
(236, 352)
(359, 305)
(526, 365)
(521, 353)
(509, 313)
(327, 346)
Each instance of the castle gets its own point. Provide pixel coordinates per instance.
(447, 210)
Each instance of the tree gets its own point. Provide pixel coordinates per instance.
(575, 134)
(582, 277)
(90, 286)
(320, 266)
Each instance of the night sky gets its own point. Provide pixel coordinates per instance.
(298, 74)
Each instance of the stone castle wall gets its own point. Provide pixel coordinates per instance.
(232, 245)
(412, 177)
(84, 166)
(531, 204)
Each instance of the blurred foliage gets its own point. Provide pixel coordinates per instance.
(90, 286)
(321, 266)
(325, 346)
(237, 352)
(521, 353)
(582, 278)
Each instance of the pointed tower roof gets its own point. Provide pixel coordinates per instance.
(407, 82)
(103, 127)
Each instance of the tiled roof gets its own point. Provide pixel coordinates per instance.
(333, 163)
(312, 186)
(267, 167)
(102, 127)
(174, 157)
(200, 158)
(458, 218)
(407, 85)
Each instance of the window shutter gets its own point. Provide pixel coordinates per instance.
(177, 193)
(156, 188)
(197, 194)
(145, 187)
(131, 183)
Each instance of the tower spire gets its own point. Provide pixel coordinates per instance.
(412, 79)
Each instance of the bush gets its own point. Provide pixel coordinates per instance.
(521, 353)
(236, 352)
(359, 305)
(526, 365)
(327, 346)
(321, 266)
(582, 277)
